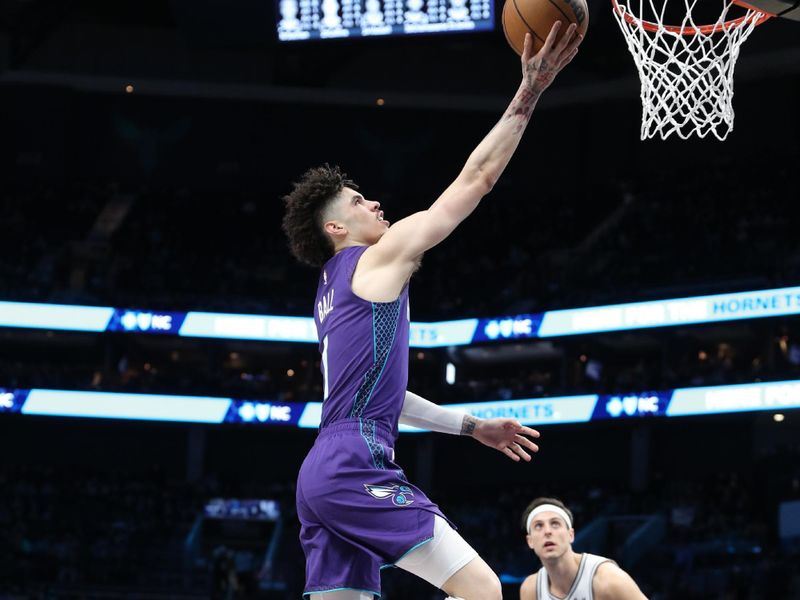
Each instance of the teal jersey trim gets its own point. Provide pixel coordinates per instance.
(385, 318)
(375, 448)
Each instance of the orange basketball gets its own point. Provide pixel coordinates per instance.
(537, 17)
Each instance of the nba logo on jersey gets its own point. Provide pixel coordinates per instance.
(325, 277)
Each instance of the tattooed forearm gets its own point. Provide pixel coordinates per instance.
(522, 107)
(468, 425)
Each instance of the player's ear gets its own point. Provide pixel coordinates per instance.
(529, 539)
(335, 229)
(571, 535)
(333, 222)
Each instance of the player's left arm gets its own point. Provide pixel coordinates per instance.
(612, 583)
(505, 435)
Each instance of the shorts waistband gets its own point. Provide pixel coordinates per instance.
(361, 426)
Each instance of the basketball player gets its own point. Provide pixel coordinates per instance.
(566, 575)
(357, 510)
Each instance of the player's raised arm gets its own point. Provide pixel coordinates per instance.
(411, 237)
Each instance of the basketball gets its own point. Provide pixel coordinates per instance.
(538, 16)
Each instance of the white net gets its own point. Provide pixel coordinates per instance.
(686, 70)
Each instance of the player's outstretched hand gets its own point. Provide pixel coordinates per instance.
(539, 70)
(507, 436)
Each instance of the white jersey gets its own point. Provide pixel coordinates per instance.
(582, 586)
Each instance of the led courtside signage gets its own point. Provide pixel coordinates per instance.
(777, 396)
(441, 334)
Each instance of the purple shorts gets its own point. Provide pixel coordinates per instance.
(357, 511)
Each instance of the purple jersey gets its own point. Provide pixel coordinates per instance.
(364, 347)
(358, 512)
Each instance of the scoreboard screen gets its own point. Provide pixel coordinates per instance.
(323, 19)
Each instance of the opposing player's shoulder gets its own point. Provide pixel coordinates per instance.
(528, 589)
(612, 583)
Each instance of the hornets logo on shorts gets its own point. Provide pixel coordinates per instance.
(401, 495)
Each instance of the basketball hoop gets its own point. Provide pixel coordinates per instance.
(686, 70)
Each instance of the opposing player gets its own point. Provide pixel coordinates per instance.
(565, 574)
(358, 512)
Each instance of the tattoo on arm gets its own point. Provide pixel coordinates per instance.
(468, 425)
(522, 108)
(545, 74)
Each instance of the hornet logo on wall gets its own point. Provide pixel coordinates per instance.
(401, 495)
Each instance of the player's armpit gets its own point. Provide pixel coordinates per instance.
(409, 238)
(386, 266)
(383, 271)
(612, 583)
(528, 589)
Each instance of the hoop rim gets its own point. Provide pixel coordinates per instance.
(702, 29)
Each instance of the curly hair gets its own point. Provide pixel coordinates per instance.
(305, 205)
(544, 500)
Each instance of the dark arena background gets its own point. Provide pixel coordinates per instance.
(156, 402)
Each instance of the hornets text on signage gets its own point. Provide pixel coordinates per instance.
(756, 304)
